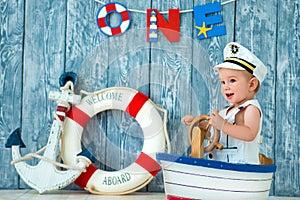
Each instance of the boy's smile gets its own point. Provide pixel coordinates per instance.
(229, 95)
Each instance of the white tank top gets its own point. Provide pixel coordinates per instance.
(237, 151)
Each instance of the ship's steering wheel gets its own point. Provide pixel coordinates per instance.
(200, 126)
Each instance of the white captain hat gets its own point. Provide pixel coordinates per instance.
(240, 58)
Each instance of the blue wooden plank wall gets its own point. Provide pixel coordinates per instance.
(40, 39)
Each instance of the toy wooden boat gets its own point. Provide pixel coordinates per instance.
(197, 178)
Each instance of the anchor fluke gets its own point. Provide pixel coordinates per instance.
(15, 139)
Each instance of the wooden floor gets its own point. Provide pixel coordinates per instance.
(83, 195)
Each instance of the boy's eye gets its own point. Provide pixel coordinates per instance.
(232, 80)
(222, 82)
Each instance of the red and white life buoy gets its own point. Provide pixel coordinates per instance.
(105, 27)
(139, 173)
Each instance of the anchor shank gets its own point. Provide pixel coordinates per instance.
(56, 129)
(53, 141)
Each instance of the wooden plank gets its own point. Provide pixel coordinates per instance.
(256, 30)
(44, 48)
(86, 55)
(287, 177)
(253, 18)
(128, 67)
(170, 76)
(11, 42)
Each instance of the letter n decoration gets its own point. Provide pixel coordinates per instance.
(170, 29)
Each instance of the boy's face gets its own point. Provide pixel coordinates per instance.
(235, 85)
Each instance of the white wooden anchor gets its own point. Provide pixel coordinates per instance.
(45, 176)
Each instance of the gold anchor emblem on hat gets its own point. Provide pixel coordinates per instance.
(234, 49)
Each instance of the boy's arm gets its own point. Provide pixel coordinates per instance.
(247, 131)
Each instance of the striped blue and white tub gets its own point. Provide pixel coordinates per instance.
(195, 178)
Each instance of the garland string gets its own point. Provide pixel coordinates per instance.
(165, 12)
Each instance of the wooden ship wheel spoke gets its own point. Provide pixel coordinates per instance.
(198, 132)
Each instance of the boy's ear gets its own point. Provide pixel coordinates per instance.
(253, 84)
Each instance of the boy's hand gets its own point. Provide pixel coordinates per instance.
(216, 120)
(187, 119)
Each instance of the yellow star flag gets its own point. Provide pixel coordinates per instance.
(202, 30)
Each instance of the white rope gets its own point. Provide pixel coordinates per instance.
(165, 125)
(36, 155)
(165, 12)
